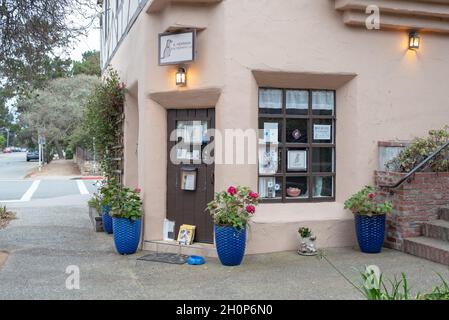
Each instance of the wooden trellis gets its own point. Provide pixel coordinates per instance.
(117, 152)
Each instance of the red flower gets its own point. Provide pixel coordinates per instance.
(232, 191)
(371, 195)
(253, 195)
(251, 209)
(138, 190)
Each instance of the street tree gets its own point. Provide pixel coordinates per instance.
(90, 64)
(36, 33)
(56, 111)
(2, 142)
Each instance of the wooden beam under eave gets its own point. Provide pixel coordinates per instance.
(159, 5)
(306, 80)
(400, 23)
(397, 7)
(187, 99)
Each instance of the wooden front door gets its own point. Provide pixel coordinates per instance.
(190, 180)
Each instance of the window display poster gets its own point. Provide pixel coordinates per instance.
(321, 132)
(268, 160)
(297, 160)
(270, 132)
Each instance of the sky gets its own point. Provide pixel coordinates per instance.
(91, 42)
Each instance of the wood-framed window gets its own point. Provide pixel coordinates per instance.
(297, 146)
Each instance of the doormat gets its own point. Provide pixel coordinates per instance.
(172, 258)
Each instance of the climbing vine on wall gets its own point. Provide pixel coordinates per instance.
(103, 121)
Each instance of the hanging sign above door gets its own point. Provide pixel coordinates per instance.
(176, 48)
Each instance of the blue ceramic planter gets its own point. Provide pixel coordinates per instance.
(126, 235)
(230, 243)
(370, 232)
(107, 219)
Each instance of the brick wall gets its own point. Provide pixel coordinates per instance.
(414, 203)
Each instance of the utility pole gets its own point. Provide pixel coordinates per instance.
(41, 142)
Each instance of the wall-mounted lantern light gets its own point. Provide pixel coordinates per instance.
(413, 40)
(181, 77)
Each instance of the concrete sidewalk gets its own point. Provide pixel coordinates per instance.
(44, 241)
(56, 169)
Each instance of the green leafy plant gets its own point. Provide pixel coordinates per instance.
(126, 203)
(374, 287)
(305, 232)
(365, 202)
(95, 202)
(420, 149)
(234, 207)
(439, 293)
(103, 112)
(107, 191)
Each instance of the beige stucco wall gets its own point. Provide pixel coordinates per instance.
(396, 94)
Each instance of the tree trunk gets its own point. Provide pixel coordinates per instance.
(59, 150)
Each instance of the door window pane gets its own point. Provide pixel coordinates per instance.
(323, 102)
(297, 102)
(323, 160)
(323, 187)
(270, 101)
(192, 132)
(270, 187)
(296, 188)
(296, 131)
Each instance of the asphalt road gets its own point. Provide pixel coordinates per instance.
(14, 166)
(15, 188)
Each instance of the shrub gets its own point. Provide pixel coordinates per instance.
(69, 154)
(420, 149)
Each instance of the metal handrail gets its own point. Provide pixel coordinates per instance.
(416, 169)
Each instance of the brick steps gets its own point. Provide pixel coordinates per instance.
(443, 213)
(434, 244)
(428, 248)
(437, 229)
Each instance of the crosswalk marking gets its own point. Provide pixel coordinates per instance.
(82, 187)
(29, 194)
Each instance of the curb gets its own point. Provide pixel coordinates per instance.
(88, 178)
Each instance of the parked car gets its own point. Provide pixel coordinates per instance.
(32, 155)
(7, 150)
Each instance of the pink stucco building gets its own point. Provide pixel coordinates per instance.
(318, 76)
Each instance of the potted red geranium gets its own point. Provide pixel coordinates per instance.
(231, 211)
(370, 215)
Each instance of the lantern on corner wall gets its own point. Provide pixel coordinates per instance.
(181, 77)
(414, 40)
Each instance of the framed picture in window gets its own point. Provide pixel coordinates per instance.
(297, 160)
